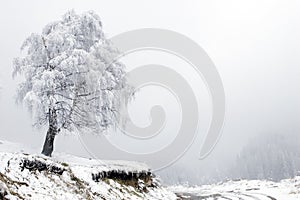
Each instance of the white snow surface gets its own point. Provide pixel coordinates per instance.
(288, 189)
(103, 165)
(74, 183)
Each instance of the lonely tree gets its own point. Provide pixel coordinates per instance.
(70, 82)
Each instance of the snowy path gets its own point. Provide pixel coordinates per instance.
(227, 196)
(288, 189)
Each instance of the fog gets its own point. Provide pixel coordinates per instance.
(253, 44)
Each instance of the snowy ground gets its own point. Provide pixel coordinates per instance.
(288, 189)
(34, 176)
(10, 147)
(76, 181)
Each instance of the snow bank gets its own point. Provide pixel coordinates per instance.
(34, 176)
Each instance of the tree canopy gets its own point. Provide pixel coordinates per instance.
(70, 81)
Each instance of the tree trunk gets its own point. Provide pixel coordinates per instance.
(51, 133)
(49, 141)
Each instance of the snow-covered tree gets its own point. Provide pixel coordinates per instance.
(271, 156)
(70, 80)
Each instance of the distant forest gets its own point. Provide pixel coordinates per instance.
(272, 157)
(269, 156)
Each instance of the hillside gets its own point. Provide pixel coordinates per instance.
(29, 176)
